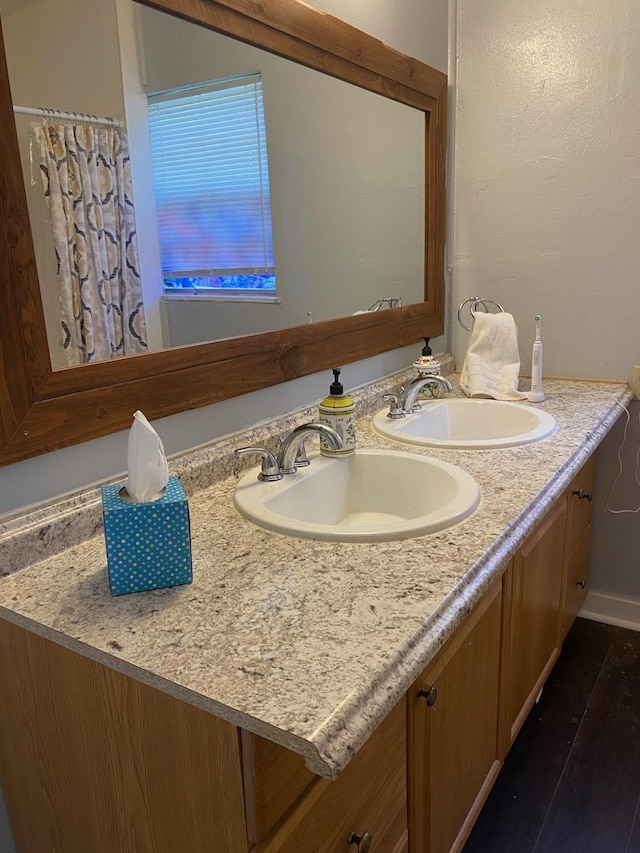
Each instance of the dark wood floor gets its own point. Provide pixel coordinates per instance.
(571, 783)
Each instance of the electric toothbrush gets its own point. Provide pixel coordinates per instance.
(536, 395)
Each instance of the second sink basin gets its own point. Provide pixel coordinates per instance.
(468, 425)
(370, 496)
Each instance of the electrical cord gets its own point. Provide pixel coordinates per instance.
(607, 502)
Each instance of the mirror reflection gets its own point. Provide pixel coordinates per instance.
(345, 184)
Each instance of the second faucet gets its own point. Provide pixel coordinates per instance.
(405, 402)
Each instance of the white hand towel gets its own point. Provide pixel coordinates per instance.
(492, 362)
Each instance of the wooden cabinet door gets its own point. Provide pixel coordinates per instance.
(577, 580)
(95, 762)
(578, 547)
(453, 740)
(580, 503)
(533, 622)
(369, 797)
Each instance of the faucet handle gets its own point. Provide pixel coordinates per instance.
(301, 456)
(395, 409)
(270, 471)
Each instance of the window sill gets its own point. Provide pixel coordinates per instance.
(209, 296)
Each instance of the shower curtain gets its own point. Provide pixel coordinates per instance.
(86, 176)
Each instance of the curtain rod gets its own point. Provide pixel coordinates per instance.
(62, 114)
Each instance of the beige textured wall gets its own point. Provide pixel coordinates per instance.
(548, 176)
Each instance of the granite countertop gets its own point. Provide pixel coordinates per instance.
(309, 643)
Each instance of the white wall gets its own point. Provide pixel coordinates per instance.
(135, 110)
(50, 67)
(547, 199)
(415, 27)
(547, 176)
(420, 30)
(615, 568)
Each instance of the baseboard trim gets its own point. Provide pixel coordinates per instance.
(612, 609)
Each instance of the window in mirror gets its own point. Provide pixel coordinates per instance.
(211, 177)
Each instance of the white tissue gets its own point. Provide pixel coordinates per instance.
(146, 461)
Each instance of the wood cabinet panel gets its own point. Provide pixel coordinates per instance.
(370, 795)
(403, 844)
(578, 547)
(534, 630)
(274, 778)
(577, 580)
(580, 503)
(92, 760)
(453, 755)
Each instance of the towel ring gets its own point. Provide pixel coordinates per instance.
(475, 303)
(391, 301)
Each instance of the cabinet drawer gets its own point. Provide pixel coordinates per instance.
(580, 503)
(577, 580)
(370, 795)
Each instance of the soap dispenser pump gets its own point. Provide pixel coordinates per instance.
(338, 411)
(427, 365)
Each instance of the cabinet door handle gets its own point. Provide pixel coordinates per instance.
(581, 584)
(430, 695)
(582, 495)
(363, 841)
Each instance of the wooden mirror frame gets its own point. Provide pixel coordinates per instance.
(43, 410)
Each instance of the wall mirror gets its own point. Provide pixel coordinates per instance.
(41, 407)
(345, 168)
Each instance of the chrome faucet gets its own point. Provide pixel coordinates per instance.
(408, 396)
(292, 453)
(269, 472)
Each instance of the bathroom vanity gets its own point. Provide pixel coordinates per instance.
(299, 695)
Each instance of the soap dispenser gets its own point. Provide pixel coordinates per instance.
(338, 411)
(427, 365)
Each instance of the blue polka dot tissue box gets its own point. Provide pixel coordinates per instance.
(148, 544)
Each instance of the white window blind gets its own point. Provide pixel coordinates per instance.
(211, 179)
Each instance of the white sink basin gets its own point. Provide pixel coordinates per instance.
(468, 425)
(370, 496)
